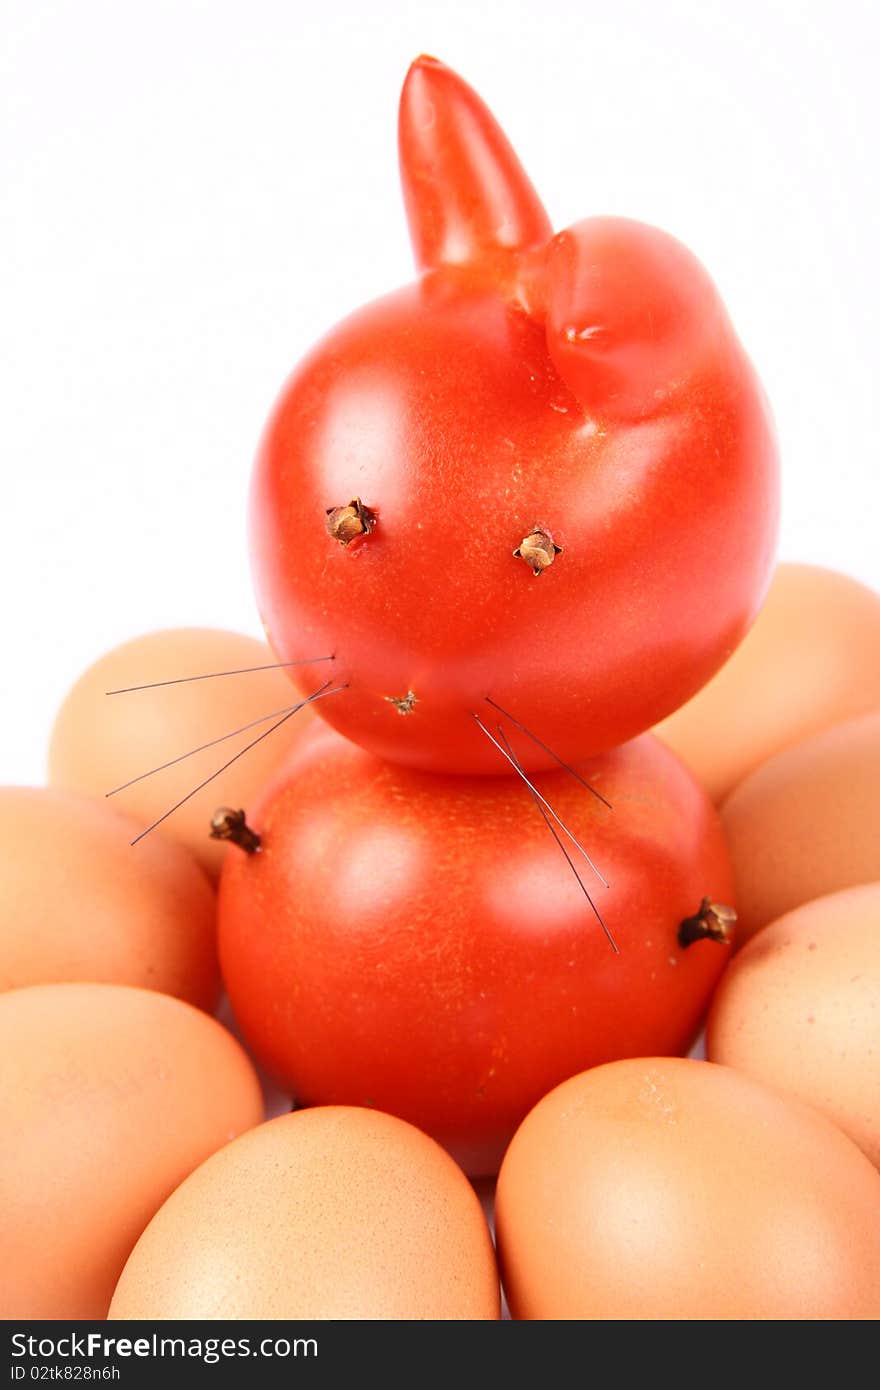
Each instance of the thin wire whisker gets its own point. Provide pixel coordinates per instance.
(215, 675)
(571, 864)
(534, 737)
(172, 762)
(240, 754)
(563, 827)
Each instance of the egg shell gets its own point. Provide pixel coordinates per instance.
(334, 1212)
(799, 1008)
(665, 1188)
(812, 659)
(100, 741)
(806, 823)
(109, 1097)
(78, 902)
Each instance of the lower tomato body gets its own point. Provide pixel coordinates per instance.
(418, 943)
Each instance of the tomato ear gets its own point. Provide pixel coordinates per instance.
(631, 315)
(467, 196)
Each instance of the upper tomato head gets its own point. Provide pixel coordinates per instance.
(542, 479)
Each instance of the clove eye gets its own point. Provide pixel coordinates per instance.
(538, 549)
(345, 524)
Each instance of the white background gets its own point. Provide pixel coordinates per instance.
(195, 191)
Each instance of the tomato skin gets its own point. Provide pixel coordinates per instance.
(418, 943)
(589, 384)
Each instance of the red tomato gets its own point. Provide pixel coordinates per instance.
(549, 470)
(417, 942)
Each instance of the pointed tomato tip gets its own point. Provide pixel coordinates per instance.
(467, 195)
(420, 73)
(425, 83)
(419, 86)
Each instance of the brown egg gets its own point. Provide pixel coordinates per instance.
(665, 1188)
(806, 823)
(78, 902)
(101, 741)
(800, 1009)
(811, 660)
(109, 1097)
(334, 1212)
